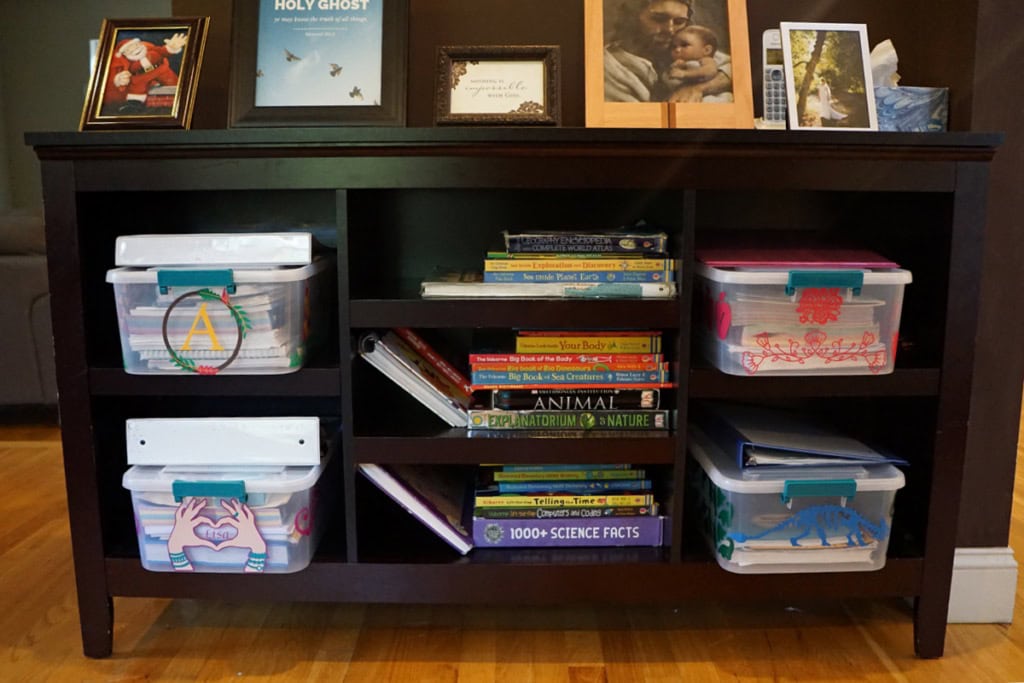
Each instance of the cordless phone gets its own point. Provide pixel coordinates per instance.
(774, 79)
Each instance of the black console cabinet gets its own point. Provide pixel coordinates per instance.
(400, 202)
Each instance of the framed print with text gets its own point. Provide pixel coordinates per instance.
(145, 74)
(318, 63)
(667, 64)
(498, 85)
(828, 76)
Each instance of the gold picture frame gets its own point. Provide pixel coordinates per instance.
(627, 107)
(146, 74)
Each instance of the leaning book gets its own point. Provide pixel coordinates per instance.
(436, 496)
(401, 363)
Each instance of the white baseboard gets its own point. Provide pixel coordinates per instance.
(984, 586)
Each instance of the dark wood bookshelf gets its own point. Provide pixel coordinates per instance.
(400, 202)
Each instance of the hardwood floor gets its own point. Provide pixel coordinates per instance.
(187, 640)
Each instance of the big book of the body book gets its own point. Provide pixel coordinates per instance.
(765, 437)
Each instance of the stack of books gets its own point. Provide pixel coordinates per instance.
(565, 505)
(573, 380)
(567, 264)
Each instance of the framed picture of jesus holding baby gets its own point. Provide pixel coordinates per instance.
(146, 74)
(667, 64)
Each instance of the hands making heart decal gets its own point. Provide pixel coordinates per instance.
(237, 529)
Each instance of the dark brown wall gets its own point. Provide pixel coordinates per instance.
(999, 364)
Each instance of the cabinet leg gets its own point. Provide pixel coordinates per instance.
(97, 621)
(930, 615)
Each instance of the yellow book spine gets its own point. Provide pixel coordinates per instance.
(588, 344)
(568, 475)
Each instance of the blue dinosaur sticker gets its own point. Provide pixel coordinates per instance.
(820, 520)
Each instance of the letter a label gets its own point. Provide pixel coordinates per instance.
(207, 329)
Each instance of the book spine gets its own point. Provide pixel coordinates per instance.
(561, 367)
(581, 276)
(564, 513)
(568, 475)
(603, 531)
(407, 356)
(564, 467)
(435, 359)
(575, 399)
(573, 486)
(601, 264)
(595, 344)
(586, 242)
(497, 377)
(569, 419)
(607, 358)
(566, 501)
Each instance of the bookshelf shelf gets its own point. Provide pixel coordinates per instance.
(431, 195)
(529, 582)
(501, 313)
(455, 448)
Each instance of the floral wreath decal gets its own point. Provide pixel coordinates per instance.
(239, 315)
(814, 346)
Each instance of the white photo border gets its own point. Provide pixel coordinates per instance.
(786, 28)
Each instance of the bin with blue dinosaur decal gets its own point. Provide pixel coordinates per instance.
(792, 519)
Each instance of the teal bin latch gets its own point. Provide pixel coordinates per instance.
(209, 489)
(844, 279)
(806, 488)
(196, 278)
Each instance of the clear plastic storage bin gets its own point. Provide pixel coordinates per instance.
(792, 519)
(807, 322)
(212, 317)
(245, 515)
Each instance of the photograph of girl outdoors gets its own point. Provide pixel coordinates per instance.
(828, 72)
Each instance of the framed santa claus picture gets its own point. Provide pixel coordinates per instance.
(146, 74)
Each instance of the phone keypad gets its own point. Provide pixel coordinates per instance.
(774, 96)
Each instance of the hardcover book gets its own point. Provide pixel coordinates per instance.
(566, 513)
(562, 500)
(495, 379)
(535, 487)
(569, 419)
(593, 241)
(575, 399)
(502, 265)
(401, 363)
(610, 275)
(600, 531)
(470, 285)
(433, 495)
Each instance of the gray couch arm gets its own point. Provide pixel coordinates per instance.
(27, 375)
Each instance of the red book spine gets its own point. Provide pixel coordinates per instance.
(428, 352)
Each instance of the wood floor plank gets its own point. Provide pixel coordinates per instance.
(179, 640)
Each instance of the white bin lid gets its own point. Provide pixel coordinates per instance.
(240, 275)
(780, 276)
(223, 441)
(207, 249)
(727, 475)
(216, 482)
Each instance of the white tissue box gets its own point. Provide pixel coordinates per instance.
(911, 109)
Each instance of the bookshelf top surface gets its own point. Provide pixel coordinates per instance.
(953, 143)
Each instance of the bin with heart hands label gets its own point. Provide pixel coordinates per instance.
(259, 511)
